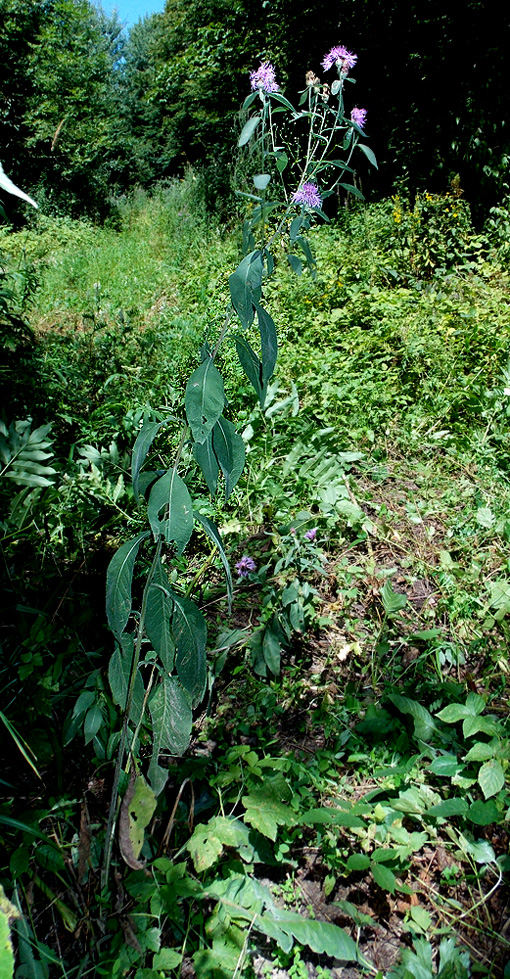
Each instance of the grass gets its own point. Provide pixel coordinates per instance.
(391, 703)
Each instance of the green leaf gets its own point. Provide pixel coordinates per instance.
(206, 458)
(204, 399)
(448, 808)
(158, 618)
(143, 442)
(392, 600)
(452, 713)
(136, 813)
(248, 129)
(353, 190)
(92, 723)
(170, 510)
(208, 840)
(321, 936)
(268, 343)
(271, 648)
(370, 155)
(358, 862)
(261, 180)
(214, 534)
(245, 285)
(118, 584)
(295, 264)
(445, 765)
(484, 813)
(264, 810)
(189, 631)
(424, 724)
(330, 816)
(119, 672)
(278, 97)
(281, 161)
(481, 751)
(252, 367)
(384, 877)
(230, 453)
(491, 778)
(171, 718)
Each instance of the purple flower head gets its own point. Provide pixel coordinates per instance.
(264, 78)
(245, 565)
(311, 534)
(358, 116)
(307, 194)
(341, 57)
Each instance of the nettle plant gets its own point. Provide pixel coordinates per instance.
(158, 672)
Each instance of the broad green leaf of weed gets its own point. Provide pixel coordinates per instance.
(392, 601)
(491, 778)
(204, 399)
(206, 844)
(264, 810)
(384, 877)
(484, 813)
(424, 724)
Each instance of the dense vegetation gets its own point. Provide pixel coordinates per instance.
(342, 808)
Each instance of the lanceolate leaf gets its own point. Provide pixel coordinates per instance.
(189, 632)
(158, 618)
(204, 399)
(141, 447)
(206, 458)
(171, 717)
(248, 130)
(230, 452)
(170, 510)
(252, 367)
(136, 812)
(370, 155)
(118, 584)
(119, 673)
(213, 532)
(268, 343)
(245, 285)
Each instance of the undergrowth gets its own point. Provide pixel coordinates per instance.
(361, 781)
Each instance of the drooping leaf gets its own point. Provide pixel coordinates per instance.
(248, 129)
(268, 343)
(118, 584)
(189, 632)
(213, 532)
(370, 155)
(424, 724)
(171, 715)
(252, 367)
(321, 936)
(245, 285)
(136, 812)
(158, 618)
(119, 673)
(352, 190)
(295, 263)
(230, 453)
(143, 442)
(206, 458)
(170, 510)
(204, 399)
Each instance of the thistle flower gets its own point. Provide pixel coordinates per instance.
(358, 116)
(311, 534)
(245, 565)
(341, 57)
(307, 194)
(264, 78)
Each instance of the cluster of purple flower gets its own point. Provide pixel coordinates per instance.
(358, 116)
(307, 194)
(341, 57)
(245, 565)
(264, 78)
